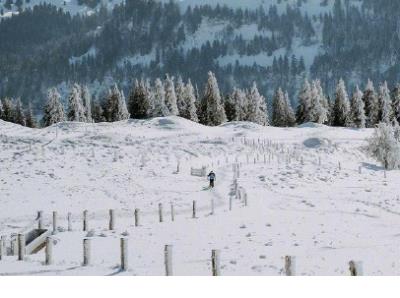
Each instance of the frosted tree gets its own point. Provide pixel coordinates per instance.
(76, 110)
(170, 96)
(303, 109)
(87, 105)
(189, 111)
(180, 97)
(385, 104)
(279, 109)
(1, 110)
(317, 112)
(139, 105)
(159, 107)
(116, 109)
(372, 107)
(396, 102)
(256, 107)
(325, 116)
(8, 110)
(290, 116)
(358, 118)
(384, 146)
(19, 116)
(53, 110)
(98, 112)
(30, 118)
(341, 108)
(212, 111)
(237, 105)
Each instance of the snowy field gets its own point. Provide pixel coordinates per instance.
(312, 194)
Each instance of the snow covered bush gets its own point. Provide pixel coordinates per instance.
(384, 145)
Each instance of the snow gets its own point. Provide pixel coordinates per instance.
(322, 215)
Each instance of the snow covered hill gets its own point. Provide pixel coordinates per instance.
(311, 191)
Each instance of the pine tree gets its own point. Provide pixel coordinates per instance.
(317, 112)
(53, 110)
(385, 104)
(290, 116)
(116, 109)
(139, 105)
(170, 96)
(372, 107)
(256, 107)
(303, 109)
(341, 109)
(279, 110)
(212, 111)
(76, 110)
(8, 110)
(189, 112)
(87, 105)
(324, 103)
(1, 110)
(237, 104)
(30, 118)
(180, 97)
(19, 116)
(159, 107)
(98, 113)
(396, 102)
(358, 118)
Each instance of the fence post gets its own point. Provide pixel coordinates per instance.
(54, 222)
(168, 260)
(2, 251)
(111, 223)
(172, 212)
(288, 266)
(359, 170)
(49, 251)
(212, 207)
(245, 199)
(69, 220)
(215, 262)
(194, 210)
(340, 166)
(86, 252)
(124, 254)
(137, 221)
(85, 221)
(160, 212)
(14, 246)
(355, 268)
(21, 247)
(40, 220)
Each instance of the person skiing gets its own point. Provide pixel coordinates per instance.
(211, 176)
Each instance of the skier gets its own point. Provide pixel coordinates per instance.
(211, 176)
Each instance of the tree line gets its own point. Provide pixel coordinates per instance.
(172, 96)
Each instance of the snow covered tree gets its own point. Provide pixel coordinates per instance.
(53, 110)
(341, 109)
(372, 107)
(87, 105)
(384, 146)
(358, 118)
(396, 102)
(180, 96)
(385, 101)
(116, 109)
(76, 110)
(170, 96)
(19, 116)
(325, 113)
(30, 118)
(236, 105)
(303, 109)
(8, 110)
(139, 105)
(159, 109)
(189, 111)
(317, 111)
(212, 111)
(290, 116)
(256, 107)
(1, 110)
(98, 113)
(279, 109)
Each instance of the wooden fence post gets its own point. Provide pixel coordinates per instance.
(230, 203)
(288, 266)
(359, 170)
(160, 212)
(111, 223)
(14, 245)
(21, 247)
(2, 251)
(85, 221)
(54, 222)
(40, 220)
(245, 199)
(69, 220)
(49, 251)
(212, 207)
(172, 212)
(124, 254)
(86, 252)
(168, 260)
(215, 262)
(194, 210)
(137, 220)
